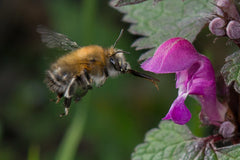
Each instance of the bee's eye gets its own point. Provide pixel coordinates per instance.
(115, 63)
(112, 61)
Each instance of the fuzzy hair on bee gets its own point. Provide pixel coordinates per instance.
(82, 67)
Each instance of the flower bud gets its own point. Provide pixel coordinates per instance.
(216, 26)
(223, 5)
(227, 129)
(227, 8)
(233, 30)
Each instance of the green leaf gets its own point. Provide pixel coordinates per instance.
(229, 153)
(225, 153)
(127, 2)
(171, 141)
(231, 70)
(164, 20)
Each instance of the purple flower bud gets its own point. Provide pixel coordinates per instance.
(216, 26)
(233, 30)
(227, 129)
(228, 7)
(195, 76)
(223, 3)
(222, 6)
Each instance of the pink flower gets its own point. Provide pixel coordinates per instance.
(195, 77)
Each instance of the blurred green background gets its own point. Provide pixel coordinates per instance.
(110, 121)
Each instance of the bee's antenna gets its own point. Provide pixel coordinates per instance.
(120, 35)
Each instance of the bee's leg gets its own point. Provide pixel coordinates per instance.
(85, 83)
(59, 96)
(68, 96)
(84, 80)
(88, 79)
(67, 103)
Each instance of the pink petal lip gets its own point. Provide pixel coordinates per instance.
(178, 112)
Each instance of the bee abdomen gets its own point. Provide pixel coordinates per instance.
(55, 82)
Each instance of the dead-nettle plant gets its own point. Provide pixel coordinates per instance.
(168, 28)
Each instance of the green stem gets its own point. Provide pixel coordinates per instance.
(72, 138)
(34, 152)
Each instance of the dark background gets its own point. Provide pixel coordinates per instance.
(110, 121)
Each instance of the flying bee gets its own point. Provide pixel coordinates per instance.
(83, 67)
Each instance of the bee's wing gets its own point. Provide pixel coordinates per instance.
(56, 40)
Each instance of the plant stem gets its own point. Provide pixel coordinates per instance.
(34, 152)
(72, 138)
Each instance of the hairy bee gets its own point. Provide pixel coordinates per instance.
(82, 67)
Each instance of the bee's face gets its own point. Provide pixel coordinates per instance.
(118, 61)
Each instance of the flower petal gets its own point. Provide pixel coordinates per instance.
(174, 55)
(178, 112)
(194, 76)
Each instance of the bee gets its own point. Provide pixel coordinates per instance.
(82, 67)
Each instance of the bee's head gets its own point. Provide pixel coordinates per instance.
(117, 59)
(116, 56)
(118, 63)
